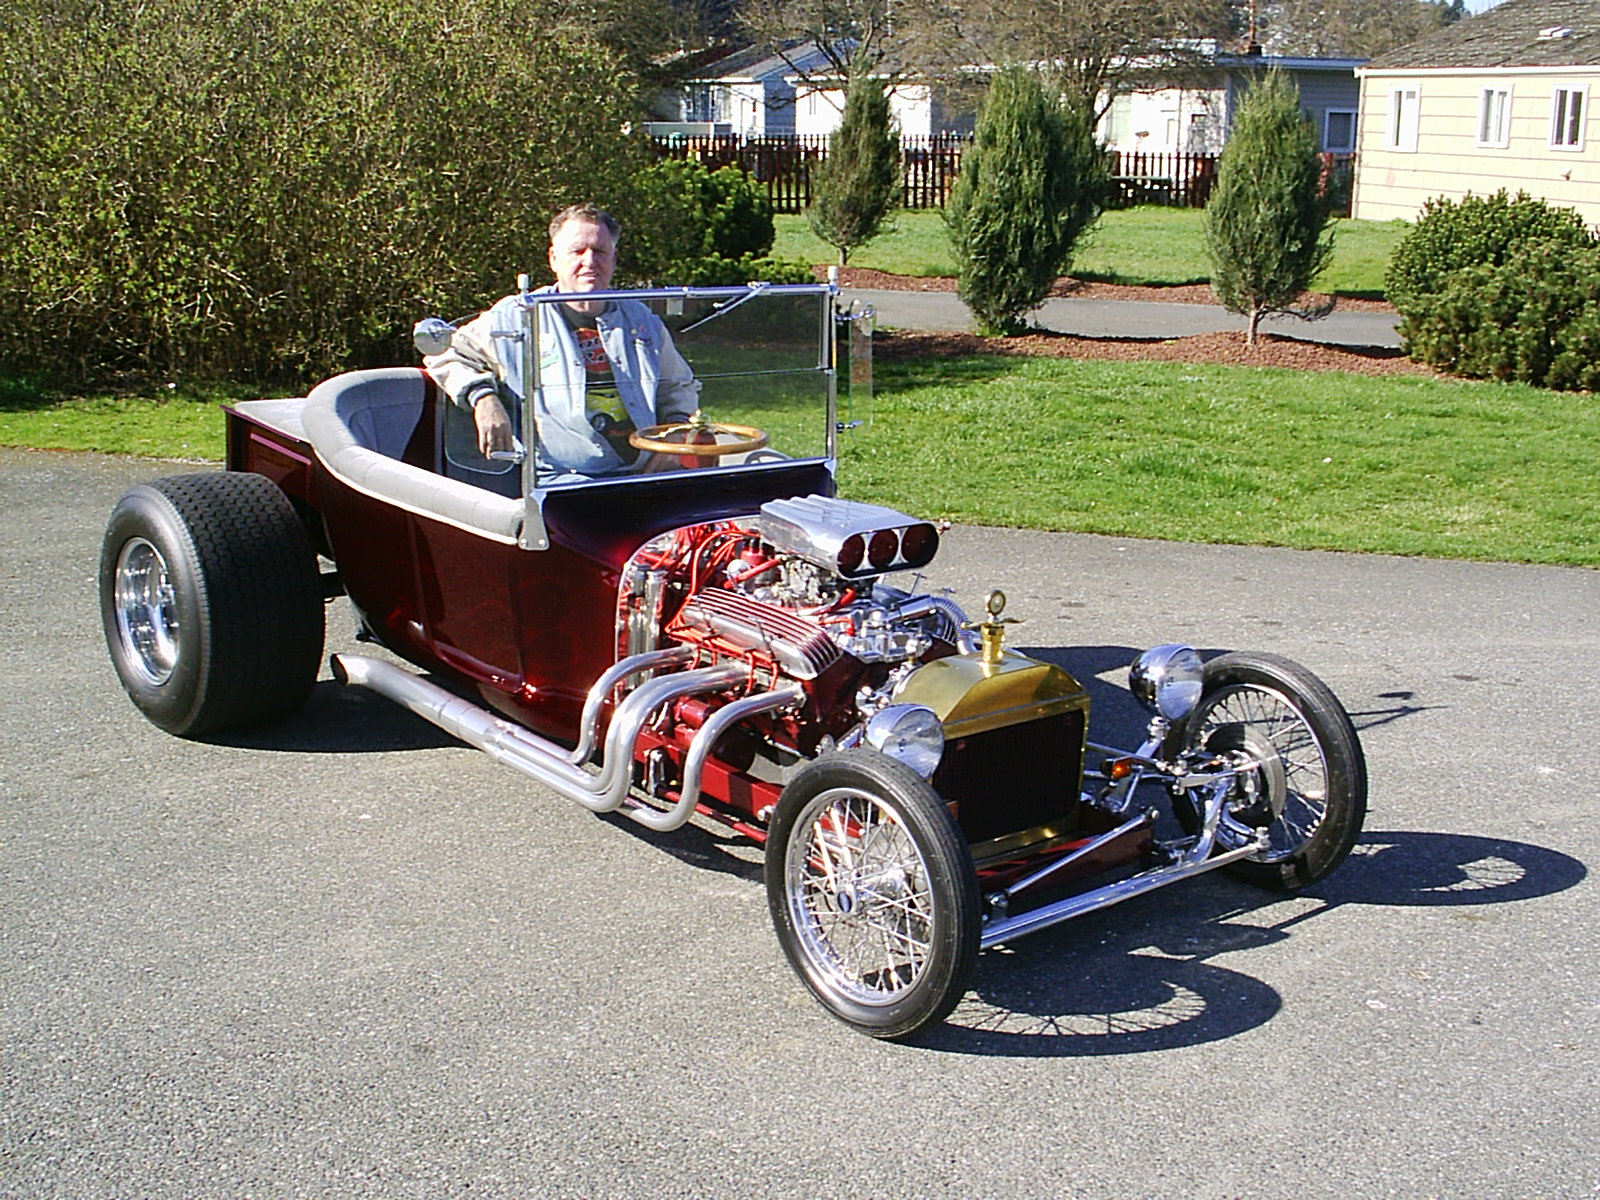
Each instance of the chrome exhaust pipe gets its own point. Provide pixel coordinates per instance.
(705, 740)
(525, 751)
(648, 661)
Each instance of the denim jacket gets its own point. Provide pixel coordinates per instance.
(653, 381)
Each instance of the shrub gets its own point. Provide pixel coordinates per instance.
(1533, 318)
(252, 188)
(688, 225)
(1471, 232)
(1500, 288)
(1265, 220)
(857, 184)
(1033, 181)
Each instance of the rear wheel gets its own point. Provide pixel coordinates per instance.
(211, 602)
(873, 893)
(1308, 783)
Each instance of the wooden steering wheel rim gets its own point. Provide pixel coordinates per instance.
(655, 438)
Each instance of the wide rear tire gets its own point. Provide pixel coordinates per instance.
(1309, 789)
(873, 893)
(211, 602)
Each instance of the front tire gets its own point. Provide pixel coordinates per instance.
(211, 602)
(1309, 787)
(873, 893)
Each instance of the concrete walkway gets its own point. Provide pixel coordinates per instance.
(943, 311)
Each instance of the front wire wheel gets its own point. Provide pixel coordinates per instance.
(873, 893)
(1307, 786)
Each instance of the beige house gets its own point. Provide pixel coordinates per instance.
(1500, 100)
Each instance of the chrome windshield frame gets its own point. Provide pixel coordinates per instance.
(534, 535)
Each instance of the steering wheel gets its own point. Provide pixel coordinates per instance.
(698, 438)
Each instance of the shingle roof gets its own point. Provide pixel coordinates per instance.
(1508, 36)
(756, 62)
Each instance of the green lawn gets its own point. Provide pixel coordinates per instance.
(169, 421)
(1150, 246)
(1404, 465)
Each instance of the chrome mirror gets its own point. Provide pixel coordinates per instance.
(432, 335)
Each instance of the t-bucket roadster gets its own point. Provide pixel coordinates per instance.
(711, 631)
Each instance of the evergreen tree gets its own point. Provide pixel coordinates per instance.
(854, 189)
(1030, 185)
(1265, 221)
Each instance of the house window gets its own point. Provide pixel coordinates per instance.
(1494, 117)
(1403, 105)
(1339, 131)
(699, 102)
(1566, 118)
(1119, 121)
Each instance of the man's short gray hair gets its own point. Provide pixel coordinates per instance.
(590, 214)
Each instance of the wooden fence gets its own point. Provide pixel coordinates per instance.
(929, 166)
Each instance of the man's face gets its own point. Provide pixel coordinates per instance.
(583, 255)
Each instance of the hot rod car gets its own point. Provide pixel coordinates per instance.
(714, 633)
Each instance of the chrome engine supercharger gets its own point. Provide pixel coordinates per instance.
(790, 590)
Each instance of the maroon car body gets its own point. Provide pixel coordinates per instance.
(720, 640)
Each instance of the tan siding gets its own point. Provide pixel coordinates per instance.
(1449, 162)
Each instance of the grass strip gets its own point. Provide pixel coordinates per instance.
(1147, 246)
(1402, 465)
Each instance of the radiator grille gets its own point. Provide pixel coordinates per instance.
(1014, 778)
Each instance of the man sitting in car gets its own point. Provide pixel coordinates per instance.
(606, 367)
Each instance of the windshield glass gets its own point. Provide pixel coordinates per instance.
(633, 383)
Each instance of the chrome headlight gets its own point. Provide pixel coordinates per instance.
(910, 733)
(1168, 680)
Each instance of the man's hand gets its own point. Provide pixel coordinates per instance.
(494, 427)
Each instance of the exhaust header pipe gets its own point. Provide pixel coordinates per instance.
(602, 791)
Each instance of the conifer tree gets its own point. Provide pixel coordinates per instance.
(854, 189)
(1030, 185)
(1266, 217)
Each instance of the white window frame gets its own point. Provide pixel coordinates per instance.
(1494, 117)
(1567, 119)
(1327, 129)
(1404, 102)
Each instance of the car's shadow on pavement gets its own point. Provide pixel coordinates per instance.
(1139, 977)
(1136, 978)
(710, 848)
(1117, 719)
(343, 720)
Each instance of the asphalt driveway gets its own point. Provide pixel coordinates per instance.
(344, 956)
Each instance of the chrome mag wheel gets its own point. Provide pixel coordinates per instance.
(146, 610)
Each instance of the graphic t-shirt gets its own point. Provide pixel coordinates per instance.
(602, 402)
